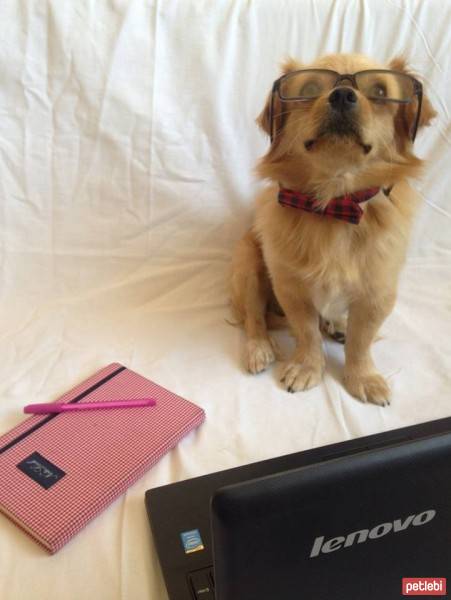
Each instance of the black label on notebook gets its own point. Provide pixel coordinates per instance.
(41, 470)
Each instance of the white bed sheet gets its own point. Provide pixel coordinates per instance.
(127, 141)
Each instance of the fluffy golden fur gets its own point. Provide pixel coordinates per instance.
(320, 270)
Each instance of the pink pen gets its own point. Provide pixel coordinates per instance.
(56, 407)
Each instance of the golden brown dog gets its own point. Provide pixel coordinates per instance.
(331, 137)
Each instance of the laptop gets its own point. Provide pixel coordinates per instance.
(348, 521)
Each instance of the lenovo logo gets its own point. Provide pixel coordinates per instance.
(321, 546)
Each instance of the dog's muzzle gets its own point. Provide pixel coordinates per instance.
(341, 119)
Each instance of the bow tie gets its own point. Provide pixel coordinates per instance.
(344, 207)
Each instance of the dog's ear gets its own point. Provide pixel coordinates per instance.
(406, 114)
(264, 118)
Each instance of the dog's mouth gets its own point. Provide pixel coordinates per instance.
(339, 126)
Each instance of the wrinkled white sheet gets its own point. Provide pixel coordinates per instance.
(127, 141)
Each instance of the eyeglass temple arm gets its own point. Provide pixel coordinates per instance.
(419, 92)
(271, 112)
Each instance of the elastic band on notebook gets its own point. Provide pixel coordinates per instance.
(25, 434)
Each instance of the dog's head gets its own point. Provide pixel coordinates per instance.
(331, 135)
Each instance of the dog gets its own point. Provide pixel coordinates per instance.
(331, 229)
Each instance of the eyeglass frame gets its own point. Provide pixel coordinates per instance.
(417, 91)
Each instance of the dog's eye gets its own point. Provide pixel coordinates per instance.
(378, 90)
(311, 89)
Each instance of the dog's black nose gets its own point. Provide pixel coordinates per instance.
(343, 98)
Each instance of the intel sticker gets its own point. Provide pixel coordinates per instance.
(191, 540)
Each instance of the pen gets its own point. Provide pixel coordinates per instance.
(58, 407)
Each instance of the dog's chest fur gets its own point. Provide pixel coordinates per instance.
(331, 282)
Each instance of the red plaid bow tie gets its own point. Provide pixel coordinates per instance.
(344, 207)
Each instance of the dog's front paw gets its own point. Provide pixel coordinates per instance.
(368, 388)
(260, 353)
(297, 377)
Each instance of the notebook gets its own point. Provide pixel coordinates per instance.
(59, 471)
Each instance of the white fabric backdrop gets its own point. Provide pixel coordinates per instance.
(127, 141)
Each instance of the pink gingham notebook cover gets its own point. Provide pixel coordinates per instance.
(101, 453)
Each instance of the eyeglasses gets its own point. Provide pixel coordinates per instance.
(378, 85)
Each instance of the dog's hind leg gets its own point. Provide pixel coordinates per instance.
(250, 292)
(334, 328)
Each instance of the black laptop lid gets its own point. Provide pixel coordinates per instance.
(347, 529)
